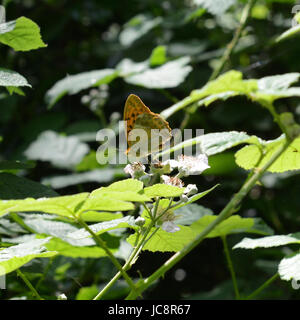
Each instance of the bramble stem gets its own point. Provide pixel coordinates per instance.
(245, 14)
(230, 267)
(263, 286)
(28, 283)
(114, 260)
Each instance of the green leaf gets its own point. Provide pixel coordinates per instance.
(127, 190)
(22, 35)
(137, 27)
(190, 213)
(99, 228)
(14, 257)
(76, 83)
(164, 241)
(268, 242)
(63, 206)
(163, 190)
(289, 268)
(242, 157)
(169, 75)
(288, 160)
(214, 143)
(124, 185)
(14, 187)
(95, 216)
(98, 175)
(234, 224)
(65, 249)
(231, 83)
(215, 7)
(94, 203)
(62, 152)
(87, 293)
(158, 56)
(12, 80)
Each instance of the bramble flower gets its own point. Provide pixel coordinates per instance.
(188, 165)
(167, 221)
(170, 226)
(190, 189)
(173, 181)
(160, 168)
(136, 170)
(140, 221)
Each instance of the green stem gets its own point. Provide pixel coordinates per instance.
(102, 244)
(128, 263)
(42, 278)
(245, 14)
(225, 213)
(231, 268)
(135, 252)
(28, 283)
(263, 286)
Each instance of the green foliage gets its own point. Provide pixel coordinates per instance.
(14, 257)
(22, 35)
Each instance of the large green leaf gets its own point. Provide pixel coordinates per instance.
(231, 84)
(62, 152)
(169, 75)
(98, 175)
(76, 83)
(163, 190)
(22, 35)
(127, 190)
(289, 268)
(65, 249)
(268, 242)
(214, 143)
(63, 206)
(137, 27)
(14, 257)
(165, 241)
(234, 224)
(248, 156)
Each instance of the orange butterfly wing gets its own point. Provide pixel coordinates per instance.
(134, 106)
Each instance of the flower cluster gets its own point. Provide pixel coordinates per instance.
(185, 165)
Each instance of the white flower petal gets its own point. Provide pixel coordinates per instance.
(170, 226)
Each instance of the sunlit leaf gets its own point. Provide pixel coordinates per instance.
(14, 257)
(22, 34)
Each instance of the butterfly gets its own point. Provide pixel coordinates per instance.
(138, 116)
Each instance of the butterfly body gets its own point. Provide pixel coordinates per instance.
(138, 116)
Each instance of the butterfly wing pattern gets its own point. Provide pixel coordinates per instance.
(138, 116)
